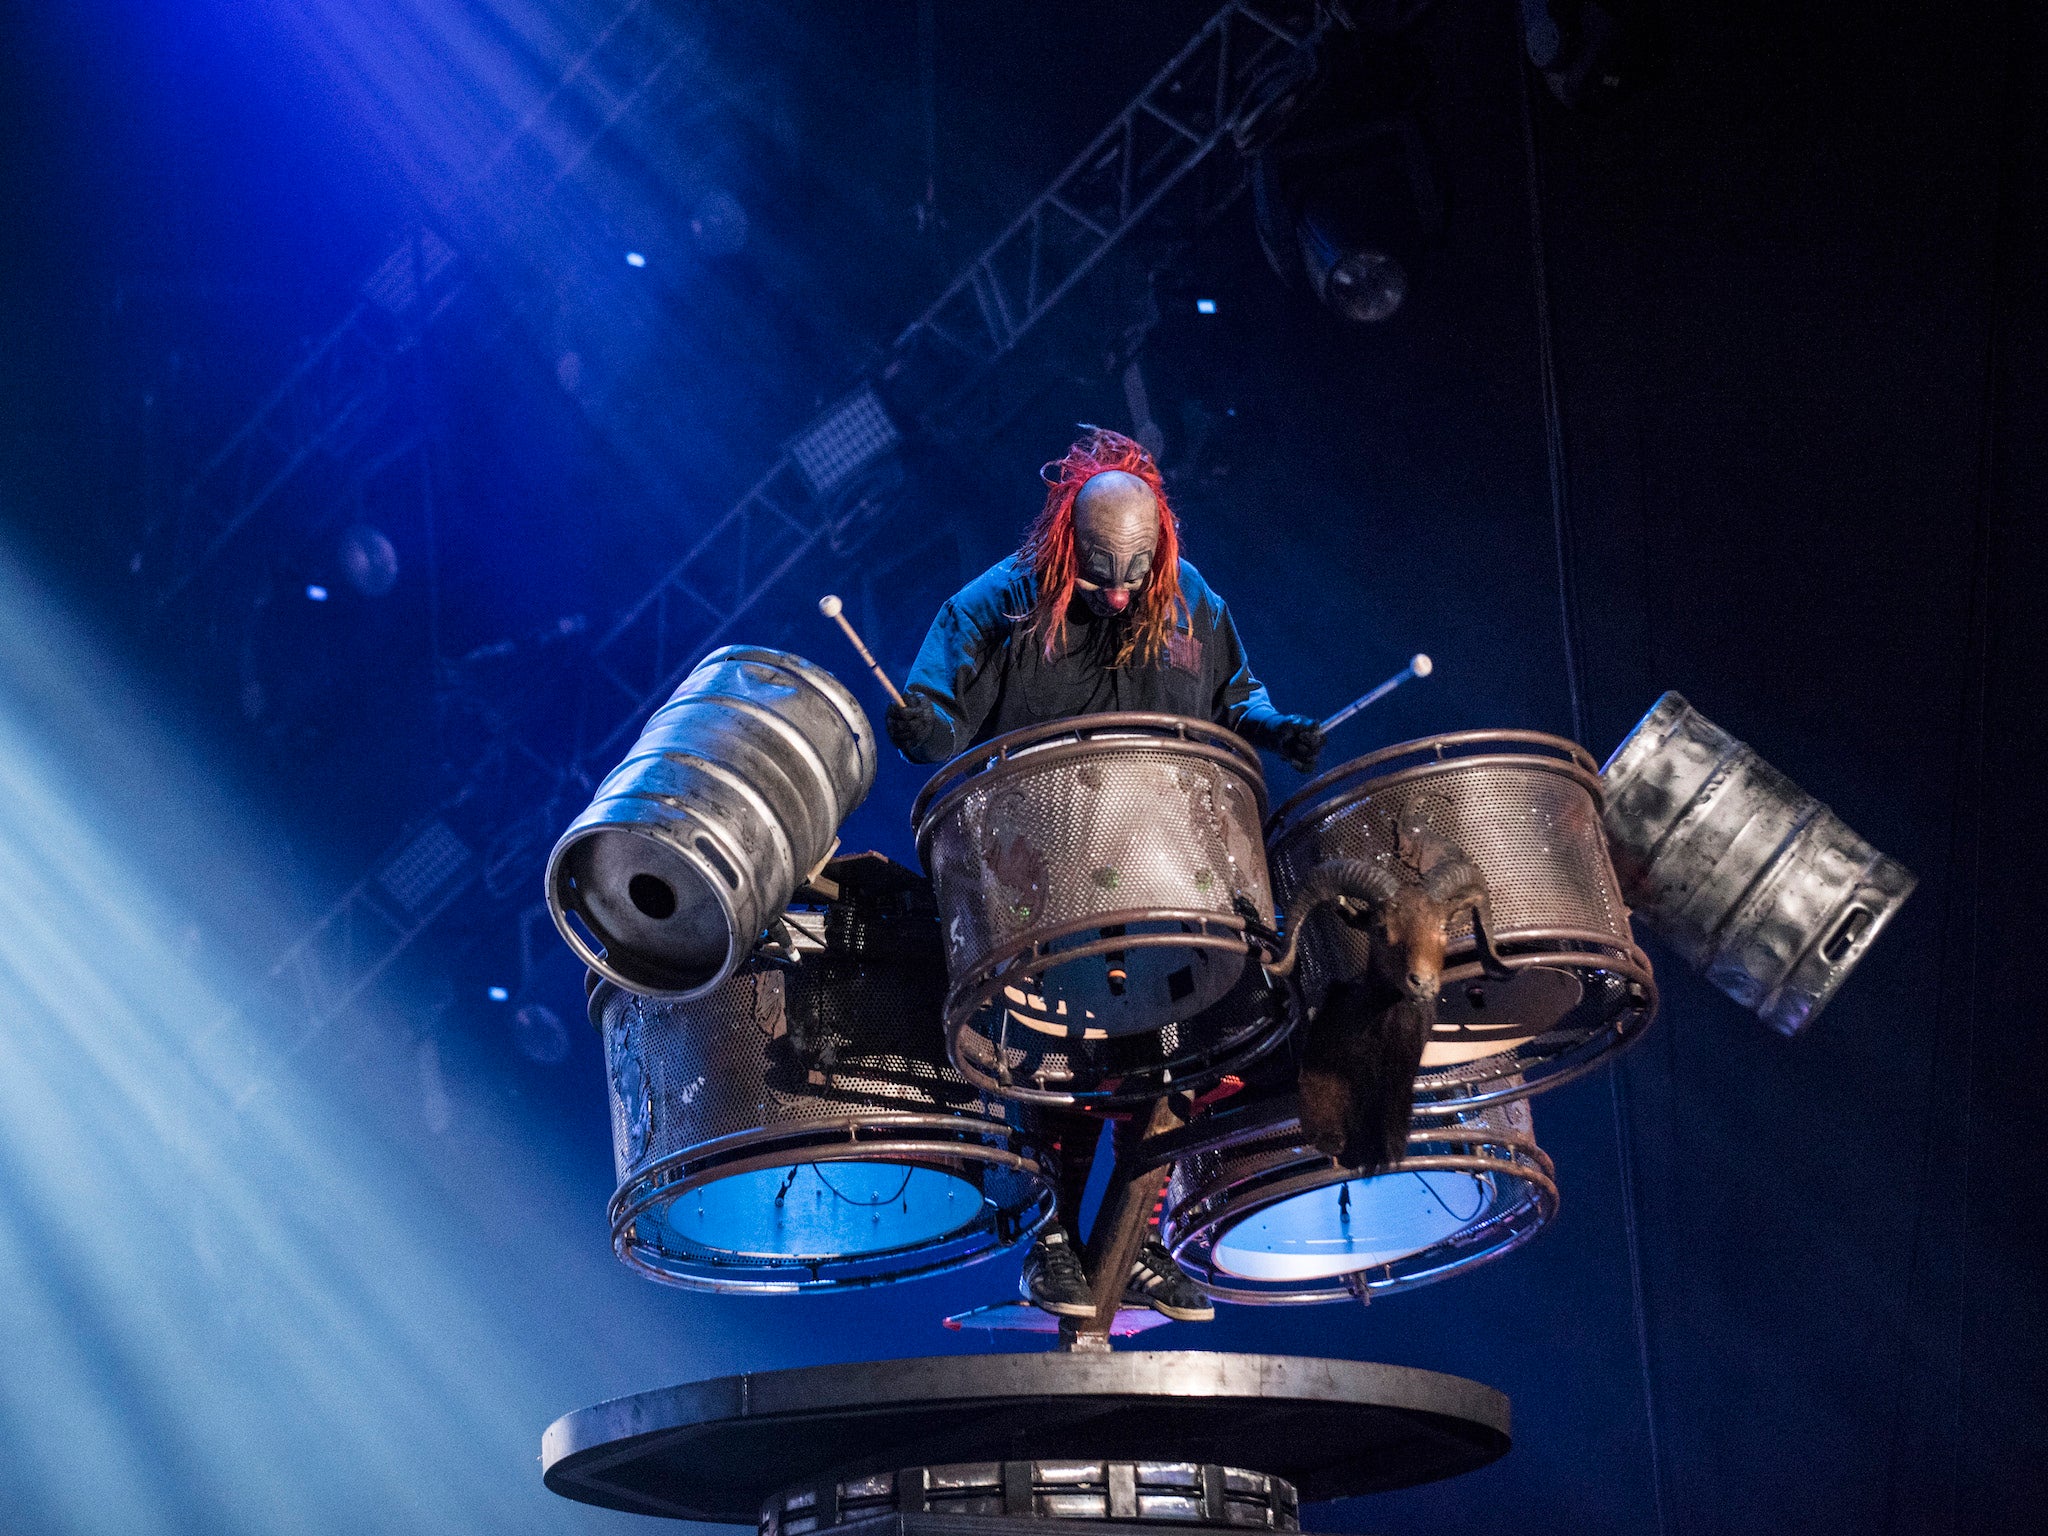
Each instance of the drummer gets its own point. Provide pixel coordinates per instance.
(1095, 612)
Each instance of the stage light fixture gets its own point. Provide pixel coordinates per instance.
(1345, 200)
(422, 869)
(369, 562)
(498, 994)
(1358, 282)
(315, 593)
(635, 259)
(1205, 306)
(852, 435)
(1592, 56)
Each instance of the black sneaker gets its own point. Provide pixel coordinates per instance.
(1053, 1279)
(1159, 1283)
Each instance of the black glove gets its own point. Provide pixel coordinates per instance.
(1297, 738)
(911, 726)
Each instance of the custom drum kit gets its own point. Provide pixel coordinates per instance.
(830, 1072)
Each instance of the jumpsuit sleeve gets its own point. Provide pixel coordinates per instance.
(1241, 701)
(957, 671)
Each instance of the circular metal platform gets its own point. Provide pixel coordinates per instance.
(715, 1450)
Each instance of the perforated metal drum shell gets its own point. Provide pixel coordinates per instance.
(1092, 868)
(1525, 808)
(1262, 1161)
(832, 1060)
(1757, 884)
(733, 793)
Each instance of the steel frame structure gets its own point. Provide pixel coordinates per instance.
(937, 374)
(345, 382)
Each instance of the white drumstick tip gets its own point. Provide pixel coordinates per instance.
(829, 606)
(1419, 664)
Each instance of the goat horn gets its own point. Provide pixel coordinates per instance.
(1374, 883)
(1482, 934)
(1459, 885)
(1377, 884)
(1454, 882)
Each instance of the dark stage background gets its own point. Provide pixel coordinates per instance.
(341, 1279)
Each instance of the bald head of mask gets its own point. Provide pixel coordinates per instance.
(1116, 537)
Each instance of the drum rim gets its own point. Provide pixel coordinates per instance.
(966, 999)
(839, 1142)
(1193, 1248)
(1257, 1042)
(1629, 1022)
(1323, 792)
(1540, 1209)
(960, 772)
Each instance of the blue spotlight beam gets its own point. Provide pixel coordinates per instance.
(349, 379)
(1211, 91)
(306, 1309)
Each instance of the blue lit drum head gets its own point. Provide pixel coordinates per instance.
(824, 1210)
(1360, 1224)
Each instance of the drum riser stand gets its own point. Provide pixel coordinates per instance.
(1135, 1186)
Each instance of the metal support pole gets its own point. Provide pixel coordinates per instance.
(1121, 1225)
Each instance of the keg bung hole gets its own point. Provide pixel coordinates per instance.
(652, 895)
(1843, 939)
(710, 851)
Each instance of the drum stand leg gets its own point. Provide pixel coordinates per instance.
(1120, 1228)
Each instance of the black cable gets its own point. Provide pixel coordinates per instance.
(1568, 615)
(1423, 1180)
(866, 1205)
(1965, 835)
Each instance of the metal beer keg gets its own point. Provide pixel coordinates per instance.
(1757, 884)
(734, 793)
(797, 1128)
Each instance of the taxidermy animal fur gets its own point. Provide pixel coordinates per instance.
(1364, 1044)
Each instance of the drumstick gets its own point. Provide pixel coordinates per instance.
(1419, 665)
(831, 607)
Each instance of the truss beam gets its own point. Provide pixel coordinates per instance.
(1211, 90)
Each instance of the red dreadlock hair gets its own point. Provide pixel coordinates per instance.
(1049, 548)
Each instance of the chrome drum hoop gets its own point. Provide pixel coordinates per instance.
(798, 1081)
(1525, 807)
(949, 1144)
(1187, 1057)
(1263, 1162)
(1103, 858)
